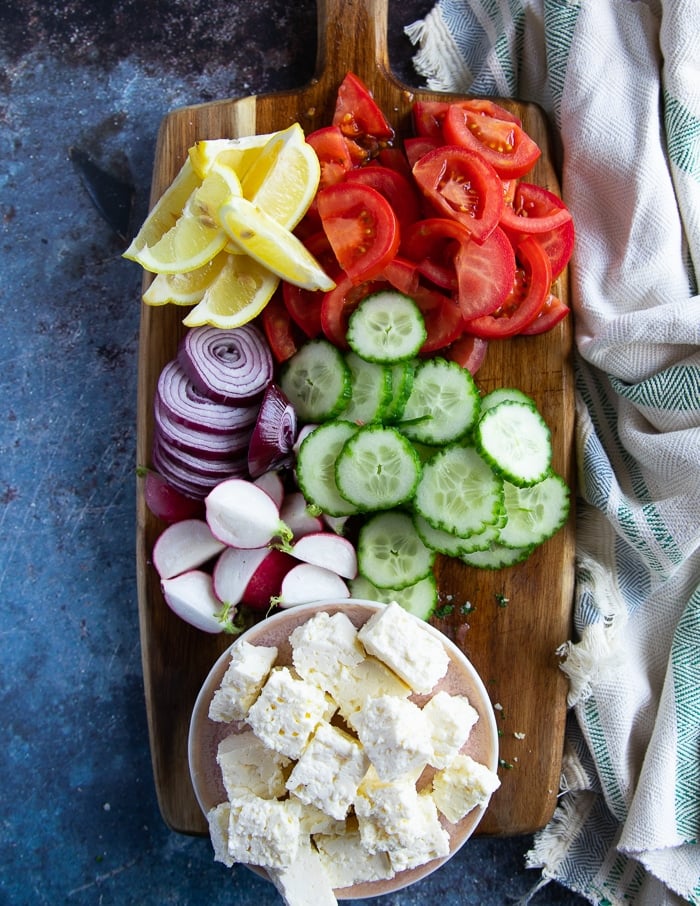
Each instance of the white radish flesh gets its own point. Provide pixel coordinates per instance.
(306, 583)
(191, 596)
(328, 550)
(295, 514)
(241, 514)
(183, 546)
(271, 482)
(250, 576)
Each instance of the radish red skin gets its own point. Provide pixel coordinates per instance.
(166, 502)
(266, 581)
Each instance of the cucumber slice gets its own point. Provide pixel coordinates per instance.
(370, 390)
(458, 492)
(390, 553)
(516, 441)
(317, 381)
(500, 394)
(443, 405)
(386, 326)
(401, 385)
(451, 545)
(377, 468)
(496, 556)
(420, 599)
(534, 513)
(315, 470)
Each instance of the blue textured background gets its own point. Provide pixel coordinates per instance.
(80, 822)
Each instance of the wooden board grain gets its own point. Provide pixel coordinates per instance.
(519, 616)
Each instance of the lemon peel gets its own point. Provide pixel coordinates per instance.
(183, 289)
(237, 153)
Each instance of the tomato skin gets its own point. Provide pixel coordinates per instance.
(361, 226)
(339, 303)
(433, 243)
(443, 319)
(359, 116)
(532, 287)
(428, 118)
(538, 212)
(397, 190)
(485, 275)
(552, 312)
(416, 147)
(462, 185)
(468, 351)
(278, 328)
(333, 154)
(502, 142)
(304, 305)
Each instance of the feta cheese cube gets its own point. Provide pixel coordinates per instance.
(263, 832)
(305, 880)
(314, 821)
(287, 712)
(367, 680)
(462, 786)
(218, 820)
(248, 765)
(347, 862)
(329, 771)
(248, 669)
(394, 733)
(323, 646)
(450, 720)
(406, 645)
(396, 819)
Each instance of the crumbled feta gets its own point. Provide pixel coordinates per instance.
(305, 881)
(462, 786)
(323, 646)
(394, 733)
(367, 680)
(218, 820)
(450, 720)
(287, 712)
(312, 820)
(404, 644)
(347, 862)
(249, 765)
(248, 669)
(263, 832)
(396, 819)
(329, 771)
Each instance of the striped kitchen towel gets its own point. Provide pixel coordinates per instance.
(620, 81)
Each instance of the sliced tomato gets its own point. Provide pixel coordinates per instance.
(552, 312)
(416, 147)
(395, 159)
(462, 185)
(433, 244)
(428, 118)
(403, 275)
(443, 319)
(397, 190)
(359, 116)
(304, 305)
(333, 154)
(468, 351)
(538, 212)
(485, 274)
(533, 278)
(279, 329)
(502, 142)
(339, 303)
(361, 226)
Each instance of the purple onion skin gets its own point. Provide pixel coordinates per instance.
(197, 441)
(229, 366)
(272, 441)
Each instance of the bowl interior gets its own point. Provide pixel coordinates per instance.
(461, 679)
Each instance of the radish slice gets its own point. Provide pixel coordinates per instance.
(233, 571)
(335, 523)
(184, 546)
(166, 502)
(274, 434)
(191, 596)
(328, 550)
(272, 484)
(241, 514)
(187, 405)
(266, 582)
(303, 432)
(306, 583)
(230, 366)
(295, 513)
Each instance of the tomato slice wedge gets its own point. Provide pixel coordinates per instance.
(433, 244)
(304, 305)
(359, 116)
(419, 145)
(468, 351)
(278, 328)
(533, 279)
(552, 312)
(333, 154)
(538, 212)
(361, 226)
(485, 274)
(443, 319)
(428, 118)
(461, 184)
(397, 190)
(502, 141)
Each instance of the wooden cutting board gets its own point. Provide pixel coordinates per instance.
(519, 616)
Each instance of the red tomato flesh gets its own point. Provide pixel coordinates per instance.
(502, 142)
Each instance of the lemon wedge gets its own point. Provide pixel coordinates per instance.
(166, 210)
(237, 294)
(237, 153)
(184, 289)
(197, 235)
(284, 177)
(265, 240)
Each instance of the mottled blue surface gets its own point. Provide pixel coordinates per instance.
(80, 823)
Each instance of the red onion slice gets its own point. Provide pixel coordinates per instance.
(186, 404)
(230, 366)
(190, 476)
(199, 442)
(272, 441)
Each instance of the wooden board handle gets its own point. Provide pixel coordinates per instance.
(352, 37)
